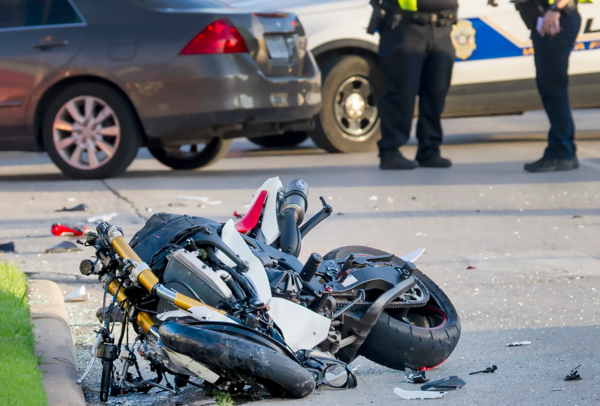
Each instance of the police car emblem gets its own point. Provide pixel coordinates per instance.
(463, 39)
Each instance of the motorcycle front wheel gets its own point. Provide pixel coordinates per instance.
(415, 338)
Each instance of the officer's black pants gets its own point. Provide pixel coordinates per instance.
(552, 64)
(415, 60)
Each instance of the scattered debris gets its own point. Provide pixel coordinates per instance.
(471, 267)
(200, 198)
(413, 198)
(149, 209)
(518, 343)
(376, 208)
(177, 204)
(488, 370)
(237, 215)
(62, 230)
(339, 213)
(77, 295)
(214, 202)
(390, 200)
(577, 216)
(71, 199)
(556, 390)
(79, 207)
(330, 198)
(574, 375)
(373, 198)
(7, 247)
(65, 246)
(102, 217)
(201, 206)
(418, 394)
(445, 384)
(415, 376)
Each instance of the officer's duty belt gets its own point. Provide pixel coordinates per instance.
(441, 19)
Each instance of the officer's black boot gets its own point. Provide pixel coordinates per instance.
(552, 165)
(436, 162)
(393, 159)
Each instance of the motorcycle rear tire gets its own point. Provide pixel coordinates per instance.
(396, 344)
(250, 361)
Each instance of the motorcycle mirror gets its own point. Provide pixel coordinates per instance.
(336, 376)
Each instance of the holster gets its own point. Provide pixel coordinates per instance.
(385, 16)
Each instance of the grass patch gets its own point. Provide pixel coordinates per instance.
(20, 378)
(223, 398)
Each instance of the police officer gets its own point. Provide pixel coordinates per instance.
(552, 45)
(416, 57)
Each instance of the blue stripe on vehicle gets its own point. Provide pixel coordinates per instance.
(493, 45)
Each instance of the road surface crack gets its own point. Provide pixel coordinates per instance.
(126, 200)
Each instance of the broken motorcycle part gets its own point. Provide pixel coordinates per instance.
(488, 370)
(445, 384)
(415, 376)
(574, 375)
(79, 207)
(64, 246)
(7, 247)
(418, 394)
(62, 230)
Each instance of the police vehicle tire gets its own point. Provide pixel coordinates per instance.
(328, 133)
(188, 157)
(396, 344)
(289, 139)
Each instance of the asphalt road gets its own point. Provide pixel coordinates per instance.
(530, 242)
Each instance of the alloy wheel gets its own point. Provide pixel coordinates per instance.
(86, 132)
(355, 108)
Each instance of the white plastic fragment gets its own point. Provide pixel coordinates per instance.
(200, 198)
(71, 199)
(78, 295)
(102, 217)
(390, 200)
(214, 202)
(418, 394)
(518, 343)
(373, 198)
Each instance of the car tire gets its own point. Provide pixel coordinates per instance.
(188, 157)
(287, 140)
(105, 124)
(332, 133)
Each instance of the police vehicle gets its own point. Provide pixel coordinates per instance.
(494, 71)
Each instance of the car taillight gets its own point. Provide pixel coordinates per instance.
(220, 37)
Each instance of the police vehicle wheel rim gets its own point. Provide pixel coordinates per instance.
(86, 132)
(355, 108)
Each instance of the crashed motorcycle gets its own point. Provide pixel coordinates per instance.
(233, 305)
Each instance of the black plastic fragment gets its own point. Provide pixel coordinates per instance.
(65, 246)
(8, 247)
(488, 370)
(446, 384)
(574, 375)
(415, 376)
(79, 207)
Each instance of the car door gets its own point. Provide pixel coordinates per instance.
(37, 37)
(495, 72)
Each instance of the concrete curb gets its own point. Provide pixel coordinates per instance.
(53, 342)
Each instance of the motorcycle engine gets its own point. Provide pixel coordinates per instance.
(187, 274)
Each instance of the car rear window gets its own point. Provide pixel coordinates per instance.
(185, 4)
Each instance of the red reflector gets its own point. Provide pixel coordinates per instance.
(220, 37)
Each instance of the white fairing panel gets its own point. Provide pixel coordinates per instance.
(186, 362)
(256, 271)
(413, 256)
(203, 313)
(302, 328)
(270, 225)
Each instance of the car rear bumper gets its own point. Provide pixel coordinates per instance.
(199, 97)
